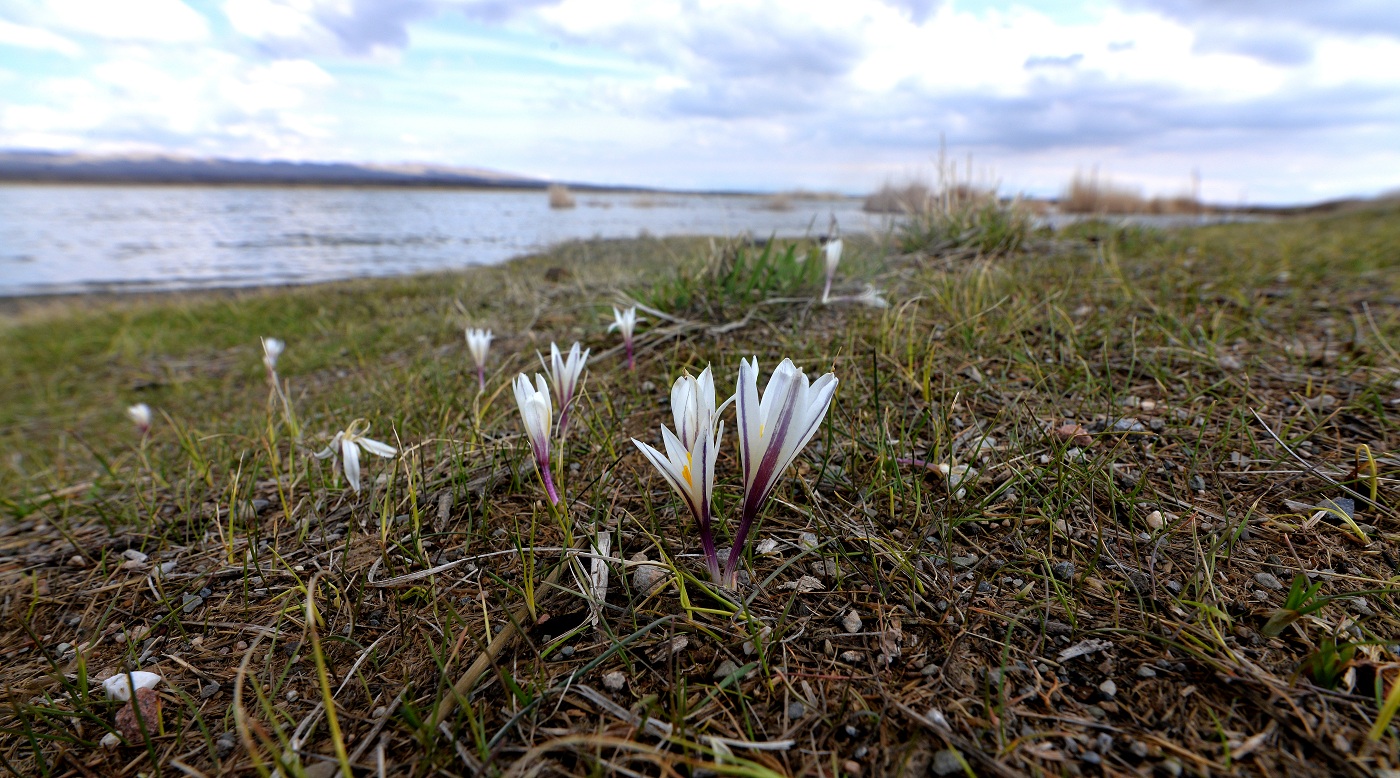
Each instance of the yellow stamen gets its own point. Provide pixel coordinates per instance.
(685, 471)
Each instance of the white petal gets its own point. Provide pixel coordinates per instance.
(350, 458)
(375, 447)
(330, 448)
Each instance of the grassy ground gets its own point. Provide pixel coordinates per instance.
(1100, 600)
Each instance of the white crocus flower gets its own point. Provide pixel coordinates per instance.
(120, 687)
(478, 343)
(272, 349)
(832, 252)
(564, 376)
(689, 462)
(772, 431)
(140, 413)
(693, 405)
(626, 323)
(537, 414)
(350, 441)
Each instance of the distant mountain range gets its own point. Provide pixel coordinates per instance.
(50, 167)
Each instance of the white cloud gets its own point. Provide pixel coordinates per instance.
(37, 38)
(157, 21)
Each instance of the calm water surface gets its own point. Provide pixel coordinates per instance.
(63, 239)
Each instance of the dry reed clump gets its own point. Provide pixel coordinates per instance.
(560, 196)
(1090, 194)
(906, 198)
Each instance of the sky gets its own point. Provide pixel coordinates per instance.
(1268, 101)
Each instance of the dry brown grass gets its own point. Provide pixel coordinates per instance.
(1090, 194)
(560, 196)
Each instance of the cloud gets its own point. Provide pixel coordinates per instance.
(36, 38)
(302, 27)
(1279, 33)
(1053, 62)
(917, 11)
(153, 21)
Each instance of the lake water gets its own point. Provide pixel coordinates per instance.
(66, 239)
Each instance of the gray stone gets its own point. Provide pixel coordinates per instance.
(796, 710)
(567, 651)
(1063, 570)
(1268, 581)
(614, 680)
(726, 669)
(191, 602)
(1146, 671)
(1108, 689)
(946, 762)
(209, 690)
(225, 744)
(851, 621)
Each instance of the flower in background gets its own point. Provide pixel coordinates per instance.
(272, 349)
(140, 413)
(689, 462)
(626, 323)
(478, 343)
(832, 252)
(350, 441)
(563, 376)
(772, 431)
(537, 414)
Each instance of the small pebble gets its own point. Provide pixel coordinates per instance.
(796, 710)
(132, 555)
(1138, 749)
(209, 690)
(725, 669)
(241, 645)
(614, 680)
(225, 744)
(1109, 689)
(851, 621)
(1154, 520)
(292, 695)
(380, 712)
(1171, 766)
(1146, 671)
(1268, 581)
(1091, 757)
(1063, 570)
(851, 656)
(807, 540)
(191, 602)
(851, 767)
(946, 762)
(567, 651)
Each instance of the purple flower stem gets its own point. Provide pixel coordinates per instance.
(731, 566)
(707, 541)
(631, 362)
(481, 377)
(548, 482)
(564, 416)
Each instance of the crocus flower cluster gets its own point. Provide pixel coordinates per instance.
(349, 442)
(478, 343)
(626, 323)
(773, 428)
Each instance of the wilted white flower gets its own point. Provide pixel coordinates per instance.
(564, 376)
(272, 349)
(832, 252)
(140, 413)
(478, 343)
(626, 323)
(772, 431)
(349, 442)
(120, 687)
(537, 414)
